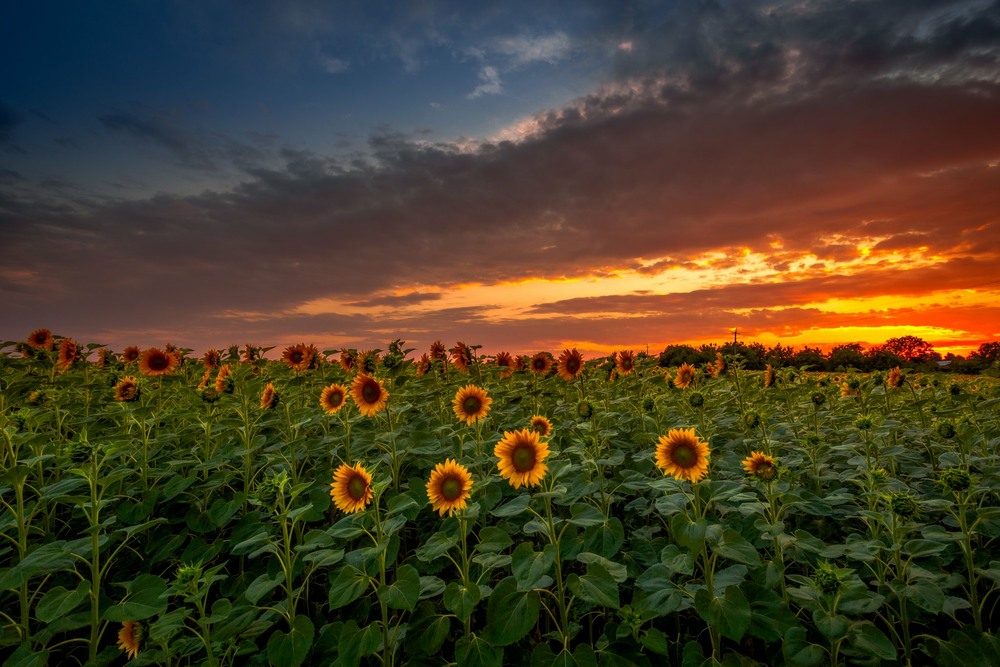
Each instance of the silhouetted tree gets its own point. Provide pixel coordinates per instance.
(675, 355)
(910, 348)
(810, 356)
(849, 355)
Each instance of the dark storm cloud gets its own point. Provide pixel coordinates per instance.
(736, 127)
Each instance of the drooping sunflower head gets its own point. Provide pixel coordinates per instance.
(127, 389)
(682, 454)
(760, 465)
(570, 364)
(895, 378)
(541, 425)
(129, 638)
(461, 356)
(521, 457)
(505, 362)
(541, 363)
(471, 403)
(685, 376)
(269, 398)
(625, 362)
(768, 377)
(367, 361)
(103, 357)
(154, 362)
(438, 350)
(69, 353)
(333, 398)
(41, 339)
(130, 354)
(224, 382)
(250, 353)
(369, 395)
(212, 359)
(424, 365)
(351, 489)
(449, 487)
(348, 358)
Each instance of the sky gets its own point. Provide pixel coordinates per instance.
(522, 176)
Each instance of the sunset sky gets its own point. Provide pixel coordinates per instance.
(520, 175)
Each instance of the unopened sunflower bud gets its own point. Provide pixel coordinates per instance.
(863, 423)
(956, 479)
(818, 399)
(648, 404)
(904, 504)
(827, 579)
(946, 430)
(696, 400)
(751, 420)
(584, 409)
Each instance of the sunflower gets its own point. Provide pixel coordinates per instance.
(155, 361)
(438, 351)
(127, 389)
(570, 365)
(449, 487)
(269, 399)
(505, 363)
(369, 395)
(522, 457)
(129, 638)
(347, 359)
(332, 398)
(625, 362)
(895, 378)
(685, 376)
(351, 488)
(846, 390)
(424, 365)
(102, 357)
(541, 363)
(367, 361)
(224, 383)
(541, 425)
(297, 356)
(250, 353)
(760, 465)
(69, 353)
(212, 359)
(130, 354)
(204, 379)
(682, 454)
(471, 403)
(41, 339)
(768, 377)
(461, 356)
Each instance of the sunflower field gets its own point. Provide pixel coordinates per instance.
(372, 508)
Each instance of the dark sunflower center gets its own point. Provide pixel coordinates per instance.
(371, 392)
(538, 364)
(472, 405)
(523, 458)
(451, 489)
(159, 362)
(684, 456)
(572, 365)
(335, 398)
(296, 357)
(627, 364)
(356, 487)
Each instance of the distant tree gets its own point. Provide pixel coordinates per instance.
(910, 348)
(779, 356)
(675, 355)
(752, 354)
(882, 359)
(812, 357)
(849, 355)
(987, 353)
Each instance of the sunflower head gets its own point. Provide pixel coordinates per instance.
(461, 356)
(348, 358)
(41, 339)
(129, 638)
(570, 364)
(438, 350)
(584, 409)
(69, 353)
(684, 376)
(760, 465)
(956, 479)
(449, 487)
(768, 377)
(367, 361)
(351, 488)
(541, 363)
(269, 398)
(127, 389)
(333, 398)
(251, 353)
(521, 457)
(224, 382)
(212, 359)
(369, 395)
(505, 363)
(625, 362)
(130, 354)
(471, 403)
(155, 362)
(541, 425)
(298, 357)
(683, 454)
(423, 365)
(895, 378)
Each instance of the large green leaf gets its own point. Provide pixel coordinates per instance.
(511, 613)
(147, 597)
(59, 601)
(531, 567)
(730, 613)
(596, 586)
(460, 600)
(347, 586)
(289, 649)
(404, 591)
(477, 652)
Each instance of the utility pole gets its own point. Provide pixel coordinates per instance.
(734, 336)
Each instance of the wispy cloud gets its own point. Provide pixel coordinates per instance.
(490, 83)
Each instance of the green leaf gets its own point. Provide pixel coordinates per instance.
(530, 567)
(356, 643)
(290, 649)
(404, 591)
(59, 601)
(687, 533)
(147, 597)
(460, 600)
(514, 507)
(24, 657)
(617, 571)
(735, 547)
(730, 613)
(832, 626)
(493, 539)
(656, 594)
(927, 595)
(596, 586)
(606, 539)
(584, 515)
(798, 651)
(263, 585)
(869, 639)
(477, 652)
(347, 586)
(921, 548)
(654, 640)
(511, 613)
(436, 546)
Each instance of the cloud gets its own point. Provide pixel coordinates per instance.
(524, 49)
(491, 84)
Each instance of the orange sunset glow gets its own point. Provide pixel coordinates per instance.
(806, 174)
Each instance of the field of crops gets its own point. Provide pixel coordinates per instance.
(343, 509)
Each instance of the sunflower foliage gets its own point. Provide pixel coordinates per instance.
(538, 508)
